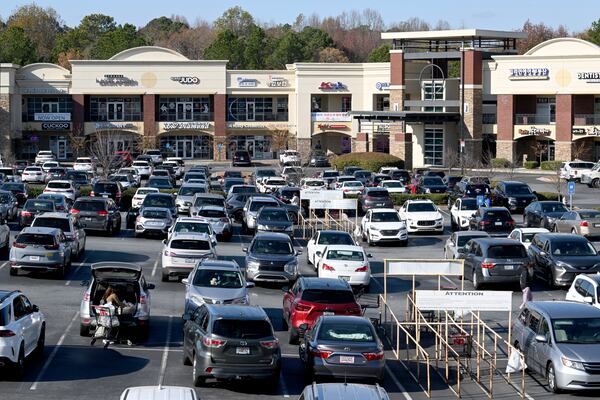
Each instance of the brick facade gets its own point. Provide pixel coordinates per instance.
(6, 148)
(505, 118)
(359, 144)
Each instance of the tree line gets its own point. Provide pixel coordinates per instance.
(35, 34)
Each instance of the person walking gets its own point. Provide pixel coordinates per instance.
(526, 282)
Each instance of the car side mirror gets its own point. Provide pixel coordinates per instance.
(164, 241)
(245, 249)
(185, 281)
(543, 253)
(318, 253)
(250, 285)
(369, 255)
(588, 300)
(541, 338)
(35, 308)
(150, 286)
(185, 317)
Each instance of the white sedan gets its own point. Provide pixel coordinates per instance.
(461, 213)
(352, 188)
(313, 183)
(84, 164)
(140, 195)
(383, 225)
(33, 174)
(322, 239)
(143, 168)
(422, 216)
(393, 186)
(525, 235)
(349, 263)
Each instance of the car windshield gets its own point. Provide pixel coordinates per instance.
(517, 189)
(328, 238)
(507, 251)
(197, 227)
(362, 174)
(314, 183)
(39, 205)
(156, 214)
(244, 189)
(589, 214)
(242, 329)
(265, 246)
(159, 182)
(106, 187)
(119, 178)
(273, 215)
(330, 174)
(378, 193)
(289, 170)
(421, 207)
(59, 185)
(346, 255)
(468, 205)
(77, 176)
(392, 184)
(13, 186)
(528, 237)
(158, 201)
(189, 244)
(89, 206)
(60, 223)
(553, 207)
(573, 248)
(472, 190)
(265, 172)
(211, 213)
(209, 201)
(190, 191)
(463, 239)
(257, 205)
(232, 174)
(576, 330)
(346, 332)
(387, 216)
(328, 296)
(35, 239)
(140, 164)
(216, 278)
(433, 181)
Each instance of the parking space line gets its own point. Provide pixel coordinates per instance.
(4, 264)
(397, 383)
(165, 356)
(155, 266)
(53, 354)
(284, 388)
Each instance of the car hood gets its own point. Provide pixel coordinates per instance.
(271, 257)
(282, 224)
(181, 198)
(442, 187)
(582, 352)
(555, 214)
(217, 294)
(423, 216)
(387, 225)
(579, 262)
(523, 196)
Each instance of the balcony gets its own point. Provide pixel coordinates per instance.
(529, 119)
(331, 117)
(586, 119)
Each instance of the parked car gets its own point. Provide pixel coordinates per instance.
(229, 182)
(40, 250)
(159, 392)
(140, 195)
(363, 176)
(292, 174)
(205, 199)
(421, 216)
(352, 188)
(339, 181)
(182, 251)
(107, 189)
(349, 263)
(23, 328)
(543, 213)
(56, 173)
(19, 190)
(215, 282)
(451, 180)
(274, 219)
(227, 341)
(461, 212)
(98, 214)
(513, 195)
(270, 185)
(235, 205)
(351, 169)
(313, 183)
(329, 176)
(468, 190)
(185, 195)
(585, 289)
(591, 177)
(33, 175)
(159, 182)
(241, 158)
(194, 175)
(285, 194)
(79, 178)
(241, 188)
(560, 343)
(85, 164)
(48, 165)
(323, 238)
(218, 219)
(496, 221)
(311, 297)
(20, 165)
(343, 390)
(261, 174)
(128, 281)
(493, 260)
(153, 221)
(559, 257)
(143, 168)
(458, 240)
(62, 187)
(525, 235)
(383, 225)
(271, 257)
(177, 164)
(251, 209)
(127, 181)
(431, 184)
(10, 174)
(69, 226)
(160, 200)
(582, 222)
(43, 156)
(345, 347)
(318, 161)
(155, 154)
(289, 157)
(393, 186)
(192, 225)
(376, 179)
(573, 170)
(33, 207)
(9, 206)
(375, 197)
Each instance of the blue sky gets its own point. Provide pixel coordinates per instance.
(577, 15)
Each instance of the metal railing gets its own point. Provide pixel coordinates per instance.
(528, 119)
(586, 119)
(331, 220)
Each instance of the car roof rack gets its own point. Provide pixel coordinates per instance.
(6, 296)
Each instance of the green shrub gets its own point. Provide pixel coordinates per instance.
(551, 165)
(369, 161)
(500, 163)
(437, 198)
(530, 164)
(547, 196)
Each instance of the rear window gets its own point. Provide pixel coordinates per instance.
(60, 223)
(232, 174)
(197, 227)
(35, 238)
(345, 255)
(362, 174)
(518, 189)
(265, 172)
(59, 185)
(476, 189)
(378, 193)
(5, 315)
(190, 191)
(159, 214)
(256, 205)
(462, 240)
(242, 329)
(468, 204)
(554, 207)
(507, 251)
(89, 206)
(209, 201)
(330, 174)
(13, 186)
(335, 238)
(497, 215)
(106, 187)
(158, 201)
(274, 215)
(328, 296)
(433, 181)
(39, 205)
(589, 214)
(347, 332)
(211, 213)
(190, 244)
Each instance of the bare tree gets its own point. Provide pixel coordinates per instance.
(539, 149)
(452, 160)
(77, 142)
(280, 139)
(145, 143)
(102, 149)
(580, 149)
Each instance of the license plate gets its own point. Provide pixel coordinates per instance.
(346, 359)
(345, 278)
(509, 267)
(242, 350)
(597, 225)
(189, 260)
(105, 196)
(154, 223)
(34, 258)
(328, 313)
(498, 223)
(88, 218)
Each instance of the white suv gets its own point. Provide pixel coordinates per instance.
(289, 157)
(156, 156)
(573, 170)
(22, 330)
(43, 156)
(422, 215)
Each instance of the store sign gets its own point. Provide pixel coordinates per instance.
(333, 204)
(332, 86)
(535, 131)
(186, 125)
(467, 300)
(321, 194)
(589, 131)
(56, 126)
(517, 74)
(26, 90)
(332, 126)
(589, 77)
(115, 125)
(244, 125)
(52, 116)
(116, 80)
(186, 80)
(247, 82)
(331, 116)
(277, 81)
(381, 127)
(382, 85)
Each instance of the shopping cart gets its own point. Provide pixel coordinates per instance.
(107, 325)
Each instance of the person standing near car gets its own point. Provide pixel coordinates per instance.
(526, 282)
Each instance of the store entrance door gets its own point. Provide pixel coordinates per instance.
(59, 147)
(250, 147)
(185, 148)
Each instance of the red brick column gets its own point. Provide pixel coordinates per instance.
(401, 144)
(359, 144)
(397, 72)
(564, 126)
(78, 116)
(473, 112)
(220, 136)
(505, 117)
(149, 120)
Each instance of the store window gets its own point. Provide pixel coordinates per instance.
(257, 109)
(36, 104)
(185, 108)
(316, 104)
(187, 146)
(382, 103)
(346, 104)
(545, 110)
(434, 146)
(115, 109)
(259, 147)
(433, 91)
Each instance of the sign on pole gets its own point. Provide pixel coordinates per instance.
(312, 194)
(333, 204)
(470, 300)
(571, 192)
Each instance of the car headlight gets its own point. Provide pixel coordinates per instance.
(563, 265)
(427, 190)
(550, 219)
(572, 364)
(262, 227)
(512, 200)
(372, 229)
(241, 300)
(289, 228)
(291, 267)
(196, 299)
(252, 265)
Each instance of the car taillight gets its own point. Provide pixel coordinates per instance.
(321, 353)
(86, 296)
(510, 222)
(26, 213)
(328, 267)
(142, 299)
(102, 212)
(270, 344)
(488, 265)
(364, 268)
(51, 247)
(301, 307)
(216, 343)
(74, 211)
(584, 223)
(170, 253)
(6, 333)
(19, 245)
(374, 356)
(92, 194)
(484, 222)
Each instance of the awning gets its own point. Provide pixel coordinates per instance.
(426, 117)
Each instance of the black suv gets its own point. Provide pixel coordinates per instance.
(513, 195)
(229, 341)
(107, 189)
(271, 257)
(496, 221)
(97, 214)
(543, 214)
(464, 189)
(241, 157)
(431, 184)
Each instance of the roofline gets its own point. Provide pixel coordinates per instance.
(455, 34)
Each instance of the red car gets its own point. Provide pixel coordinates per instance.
(124, 158)
(312, 297)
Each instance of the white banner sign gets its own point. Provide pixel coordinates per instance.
(333, 204)
(424, 267)
(331, 116)
(186, 125)
(313, 194)
(474, 300)
(52, 116)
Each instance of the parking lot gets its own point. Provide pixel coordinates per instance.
(71, 368)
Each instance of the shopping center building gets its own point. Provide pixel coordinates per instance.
(444, 95)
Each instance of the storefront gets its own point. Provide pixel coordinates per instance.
(189, 146)
(259, 146)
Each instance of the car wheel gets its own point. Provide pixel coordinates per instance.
(551, 377)
(13, 271)
(165, 277)
(196, 378)
(186, 360)
(84, 330)
(596, 183)
(475, 280)
(19, 367)
(453, 226)
(369, 241)
(41, 342)
(308, 259)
